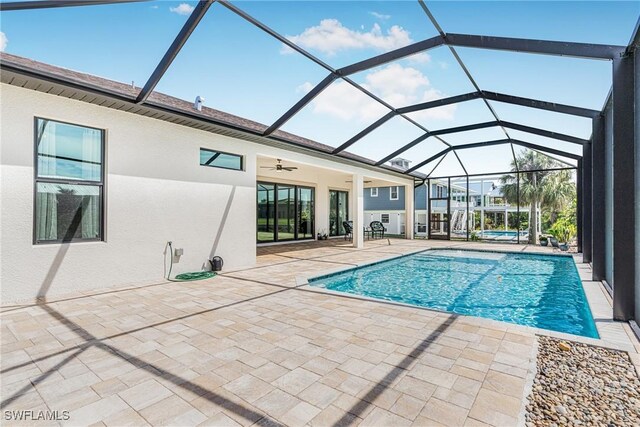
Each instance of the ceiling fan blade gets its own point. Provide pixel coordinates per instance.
(289, 168)
(266, 167)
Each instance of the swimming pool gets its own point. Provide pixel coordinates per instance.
(497, 233)
(542, 291)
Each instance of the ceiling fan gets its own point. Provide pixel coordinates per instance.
(365, 181)
(279, 167)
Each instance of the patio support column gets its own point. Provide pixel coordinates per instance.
(624, 209)
(579, 203)
(636, 118)
(598, 186)
(586, 204)
(409, 211)
(358, 211)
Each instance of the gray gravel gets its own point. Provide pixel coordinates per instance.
(585, 385)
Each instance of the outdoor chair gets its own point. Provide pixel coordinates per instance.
(377, 229)
(348, 229)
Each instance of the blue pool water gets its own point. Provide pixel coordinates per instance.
(542, 291)
(501, 233)
(494, 233)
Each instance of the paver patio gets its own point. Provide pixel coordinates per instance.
(258, 346)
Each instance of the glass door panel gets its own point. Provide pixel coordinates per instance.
(266, 213)
(286, 212)
(338, 212)
(305, 213)
(343, 211)
(333, 213)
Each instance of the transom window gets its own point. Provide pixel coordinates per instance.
(393, 193)
(219, 159)
(69, 181)
(374, 192)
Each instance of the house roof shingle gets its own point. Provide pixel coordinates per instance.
(128, 93)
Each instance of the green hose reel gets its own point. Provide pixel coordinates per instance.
(198, 275)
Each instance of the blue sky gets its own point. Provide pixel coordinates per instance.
(239, 69)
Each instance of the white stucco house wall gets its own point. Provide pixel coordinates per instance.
(154, 187)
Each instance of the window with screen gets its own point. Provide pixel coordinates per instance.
(69, 181)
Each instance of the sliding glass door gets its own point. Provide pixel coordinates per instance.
(338, 212)
(305, 213)
(285, 212)
(266, 212)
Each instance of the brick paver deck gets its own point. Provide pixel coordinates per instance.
(255, 346)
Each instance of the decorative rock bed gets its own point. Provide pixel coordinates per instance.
(583, 385)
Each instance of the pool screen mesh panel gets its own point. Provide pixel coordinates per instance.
(602, 148)
(409, 124)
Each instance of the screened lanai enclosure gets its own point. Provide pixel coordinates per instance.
(498, 208)
(484, 112)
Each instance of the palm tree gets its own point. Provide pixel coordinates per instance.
(559, 191)
(538, 187)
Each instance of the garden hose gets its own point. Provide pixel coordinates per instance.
(198, 275)
(170, 258)
(184, 277)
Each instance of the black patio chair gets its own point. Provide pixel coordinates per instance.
(377, 229)
(348, 229)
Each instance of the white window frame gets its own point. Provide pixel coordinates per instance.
(374, 193)
(391, 193)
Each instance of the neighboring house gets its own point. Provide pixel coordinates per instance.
(487, 210)
(387, 205)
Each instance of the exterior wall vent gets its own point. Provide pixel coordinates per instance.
(198, 103)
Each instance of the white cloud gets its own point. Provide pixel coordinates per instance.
(398, 85)
(344, 102)
(304, 87)
(182, 9)
(331, 37)
(380, 16)
(3, 41)
(420, 58)
(446, 112)
(154, 6)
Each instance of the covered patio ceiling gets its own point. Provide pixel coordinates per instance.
(487, 130)
(303, 172)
